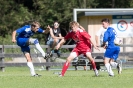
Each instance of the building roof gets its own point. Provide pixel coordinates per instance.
(102, 13)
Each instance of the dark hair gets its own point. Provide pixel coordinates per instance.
(34, 23)
(56, 22)
(105, 20)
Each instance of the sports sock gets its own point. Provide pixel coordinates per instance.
(38, 47)
(93, 65)
(30, 65)
(65, 67)
(114, 64)
(109, 69)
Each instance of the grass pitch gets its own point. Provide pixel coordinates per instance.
(19, 77)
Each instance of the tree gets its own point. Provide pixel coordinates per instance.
(12, 16)
(15, 13)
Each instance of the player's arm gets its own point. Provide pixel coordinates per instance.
(14, 36)
(47, 30)
(81, 27)
(105, 39)
(93, 43)
(68, 36)
(15, 32)
(88, 38)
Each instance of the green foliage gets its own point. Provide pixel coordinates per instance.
(12, 16)
(113, 3)
(6, 40)
(131, 4)
(16, 13)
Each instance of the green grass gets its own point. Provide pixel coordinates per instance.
(19, 77)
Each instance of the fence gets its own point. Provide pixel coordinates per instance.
(13, 55)
(124, 53)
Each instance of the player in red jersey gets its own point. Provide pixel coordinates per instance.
(83, 45)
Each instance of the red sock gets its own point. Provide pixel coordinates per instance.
(65, 67)
(93, 65)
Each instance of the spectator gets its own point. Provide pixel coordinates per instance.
(99, 36)
(51, 40)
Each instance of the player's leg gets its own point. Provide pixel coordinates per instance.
(30, 64)
(108, 66)
(114, 62)
(89, 56)
(116, 65)
(26, 52)
(119, 65)
(66, 64)
(37, 45)
(107, 58)
(22, 42)
(108, 54)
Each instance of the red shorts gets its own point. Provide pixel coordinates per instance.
(81, 51)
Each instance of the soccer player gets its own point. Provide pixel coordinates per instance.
(83, 46)
(99, 41)
(112, 51)
(24, 39)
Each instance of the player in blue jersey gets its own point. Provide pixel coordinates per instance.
(23, 38)
(99, 39)
(112, 50)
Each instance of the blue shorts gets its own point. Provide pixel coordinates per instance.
(22, 42)
(112, 52)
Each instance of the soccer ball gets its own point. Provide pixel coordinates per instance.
(117, 41)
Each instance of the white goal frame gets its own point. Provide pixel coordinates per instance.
(98, 10)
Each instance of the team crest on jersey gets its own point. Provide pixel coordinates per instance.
(28, 29)
(114, 31)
